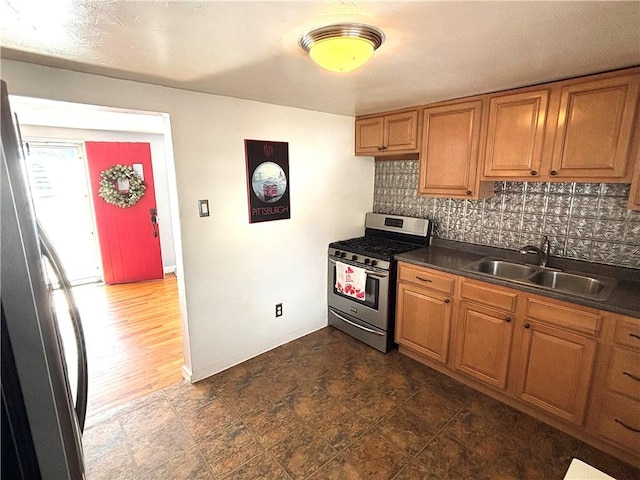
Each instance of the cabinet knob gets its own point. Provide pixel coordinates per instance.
(554, 172)
(469, 192)
(508, 319)
(527, 325)
(380, 148)
(446, 300)
(533, 173)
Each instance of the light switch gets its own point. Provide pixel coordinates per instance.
(203, 208)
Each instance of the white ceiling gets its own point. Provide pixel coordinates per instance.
(433, 50)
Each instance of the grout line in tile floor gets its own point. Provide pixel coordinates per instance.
(327, 407)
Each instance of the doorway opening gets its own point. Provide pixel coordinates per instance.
(133, 331)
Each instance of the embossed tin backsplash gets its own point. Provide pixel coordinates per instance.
(584, 221)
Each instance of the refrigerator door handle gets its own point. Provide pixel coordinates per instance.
(83, 377)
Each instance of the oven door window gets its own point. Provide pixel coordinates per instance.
(372, 291)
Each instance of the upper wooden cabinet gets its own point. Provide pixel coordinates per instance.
(391, 134)
(515, 134)
(634, 194)
(574, 130)
(594, 131)
(449, 152)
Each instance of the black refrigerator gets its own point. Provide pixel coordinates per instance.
(41, 422)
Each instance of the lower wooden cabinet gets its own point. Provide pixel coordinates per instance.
(624, 373)
(483, 343)
(616, 394)
(619, 422)
(424, 321)
(572, 366)
(555, 371)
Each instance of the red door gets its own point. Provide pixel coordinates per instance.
(130, 252)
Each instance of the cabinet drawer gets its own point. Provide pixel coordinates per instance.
(564, 316)
(487, 294)
(427, 278)
(620, 422)
(628, 334)
(624, 373)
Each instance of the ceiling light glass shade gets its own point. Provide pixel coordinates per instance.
(342, 47)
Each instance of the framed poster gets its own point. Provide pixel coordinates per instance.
(267, 180)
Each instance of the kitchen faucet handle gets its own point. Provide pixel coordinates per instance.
(545, 245)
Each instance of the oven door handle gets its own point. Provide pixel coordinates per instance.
(369, 272)
(355, 324)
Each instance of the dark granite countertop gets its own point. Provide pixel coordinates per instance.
(450, 256)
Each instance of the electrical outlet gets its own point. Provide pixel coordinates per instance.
(278, 310)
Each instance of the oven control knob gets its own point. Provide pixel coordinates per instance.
(343, 254)
(354, 257)
(337, 253)
(367, 261)
(373, 263)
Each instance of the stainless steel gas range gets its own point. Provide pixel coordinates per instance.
(362, 277)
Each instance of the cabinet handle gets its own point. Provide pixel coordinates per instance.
(527, 325)
(554, 172)
(634, 336)
(533, 173)
(631, 375)
(627, 426)
(508, 319)
(380, 148)
(446, 300)
(424, 279)
(469, 192)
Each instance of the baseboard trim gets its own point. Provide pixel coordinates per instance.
(242, 356)
(187, 374)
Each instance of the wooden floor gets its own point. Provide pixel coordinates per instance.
(134, 340)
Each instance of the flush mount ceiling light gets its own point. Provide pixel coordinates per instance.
(342, 47)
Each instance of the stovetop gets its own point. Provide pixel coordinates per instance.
(384, 236)
(376, 247)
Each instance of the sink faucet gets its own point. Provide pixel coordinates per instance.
(542, 251)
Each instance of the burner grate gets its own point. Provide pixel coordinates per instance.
(374, 247)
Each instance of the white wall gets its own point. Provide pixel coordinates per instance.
(158, 162)
(234, 272)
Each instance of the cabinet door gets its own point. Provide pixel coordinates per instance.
(515, 135)
(634, 194)
(401, 132)
(555, 371)
(423, 321)
(483, 344)
(449, 153)
(595, 125)
(369, 136)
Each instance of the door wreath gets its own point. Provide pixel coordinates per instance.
(124, 174)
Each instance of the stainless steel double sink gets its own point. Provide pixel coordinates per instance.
(572, 283)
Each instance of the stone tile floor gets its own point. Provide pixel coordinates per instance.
(326, 406)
